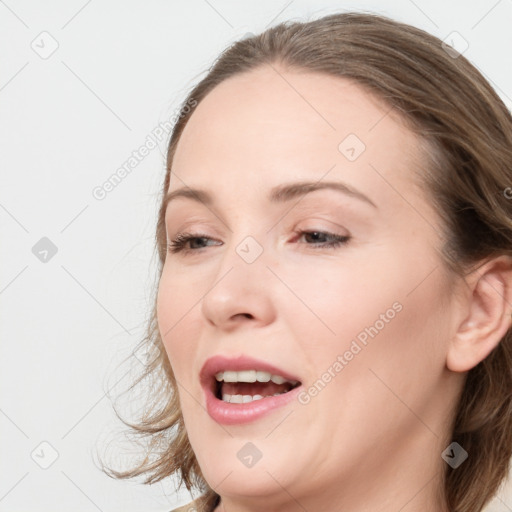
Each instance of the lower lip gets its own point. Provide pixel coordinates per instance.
(235, 414)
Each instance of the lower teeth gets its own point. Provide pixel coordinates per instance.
(243, 399)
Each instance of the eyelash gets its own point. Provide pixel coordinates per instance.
(178, 243)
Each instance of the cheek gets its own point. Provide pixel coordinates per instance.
(175, 323)
(331, 301)
(397, 354)
(383, 317)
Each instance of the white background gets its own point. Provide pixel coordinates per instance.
(67, 122)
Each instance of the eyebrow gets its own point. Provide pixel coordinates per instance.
(278, 194)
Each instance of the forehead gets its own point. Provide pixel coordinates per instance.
(270, 125)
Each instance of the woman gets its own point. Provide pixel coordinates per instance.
(335, 295)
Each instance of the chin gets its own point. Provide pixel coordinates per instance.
(251, 483)
(227, 469)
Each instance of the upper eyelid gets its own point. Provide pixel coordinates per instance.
(311, 214)
(202, 233)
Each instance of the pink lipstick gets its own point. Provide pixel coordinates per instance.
(243, 389)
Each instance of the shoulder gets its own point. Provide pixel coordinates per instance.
(193, 506)
(205, 503)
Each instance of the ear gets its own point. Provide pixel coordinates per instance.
(486, 312)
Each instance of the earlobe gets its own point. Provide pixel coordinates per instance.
(487, 317)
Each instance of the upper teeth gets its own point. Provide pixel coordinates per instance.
(252, 376)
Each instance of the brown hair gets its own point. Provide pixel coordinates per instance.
(468, 133)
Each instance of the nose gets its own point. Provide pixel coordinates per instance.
(241, 292)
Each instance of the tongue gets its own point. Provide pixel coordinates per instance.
(254, 388)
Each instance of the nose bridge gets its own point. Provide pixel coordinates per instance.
(248, 241)
(241, 284)
(249, 249)
(245, 261)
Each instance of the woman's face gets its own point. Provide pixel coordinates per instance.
(362, 325)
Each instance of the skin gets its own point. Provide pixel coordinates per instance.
(372, 438)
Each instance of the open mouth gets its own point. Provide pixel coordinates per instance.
(250, 385)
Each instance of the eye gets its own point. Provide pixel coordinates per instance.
(179, 243)
(335, 240)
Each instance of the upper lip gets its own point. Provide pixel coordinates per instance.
(220, 363)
